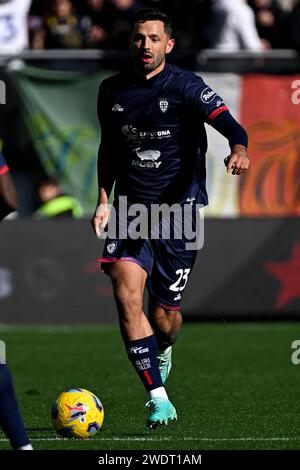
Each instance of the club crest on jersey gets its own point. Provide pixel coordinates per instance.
(163, 104)
(111, 247)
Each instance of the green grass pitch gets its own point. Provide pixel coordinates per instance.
(233, 384)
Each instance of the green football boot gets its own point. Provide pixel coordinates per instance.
(161, 411)
(165, 363)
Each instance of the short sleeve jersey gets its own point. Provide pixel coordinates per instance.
(154, 136)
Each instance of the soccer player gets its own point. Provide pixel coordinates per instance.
(153, 149)
(10, 417)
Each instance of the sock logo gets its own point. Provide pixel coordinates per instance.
(138, 350)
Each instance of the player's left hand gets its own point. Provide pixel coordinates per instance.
(238, 161)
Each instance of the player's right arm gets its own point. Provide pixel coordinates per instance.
(101, 214)
(105, 166)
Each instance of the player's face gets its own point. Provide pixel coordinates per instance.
(149, 45)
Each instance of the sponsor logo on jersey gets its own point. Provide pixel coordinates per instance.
(117, 107)
(111, 247)
(148, 154)
(163, 104)
(134, 136)
(163, 134)
(130, 134)
(207, 95)
(148, 158)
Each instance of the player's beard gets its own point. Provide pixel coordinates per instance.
(147, 68)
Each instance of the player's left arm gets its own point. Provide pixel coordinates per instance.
(238, 161)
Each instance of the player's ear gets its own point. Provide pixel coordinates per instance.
(170, 45)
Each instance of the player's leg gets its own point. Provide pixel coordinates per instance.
(128, 280)
(166, 324)
(10, 417)
(166, 286)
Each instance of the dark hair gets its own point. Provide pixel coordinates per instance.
(153, 14)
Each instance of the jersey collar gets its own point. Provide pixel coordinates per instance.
(153, 81)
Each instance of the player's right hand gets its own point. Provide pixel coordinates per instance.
(100, 219)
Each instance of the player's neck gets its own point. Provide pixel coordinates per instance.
(152, 73)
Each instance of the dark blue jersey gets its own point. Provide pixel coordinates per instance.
(154, 141)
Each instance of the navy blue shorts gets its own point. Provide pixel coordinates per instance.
(167, 262)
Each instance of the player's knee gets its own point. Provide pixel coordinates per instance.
(175, 322)
(166, 320)
(172, 315)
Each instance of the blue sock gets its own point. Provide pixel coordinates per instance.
(143, 355)
(10, 417)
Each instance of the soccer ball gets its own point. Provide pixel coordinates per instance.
(77, 413)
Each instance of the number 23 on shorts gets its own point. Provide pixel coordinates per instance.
(182, 280)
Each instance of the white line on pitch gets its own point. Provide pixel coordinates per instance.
(159, 439)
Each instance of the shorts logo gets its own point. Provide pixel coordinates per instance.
(111, 247)
(190, 200)
(178, 297)
(163, 104)
(207, 95)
